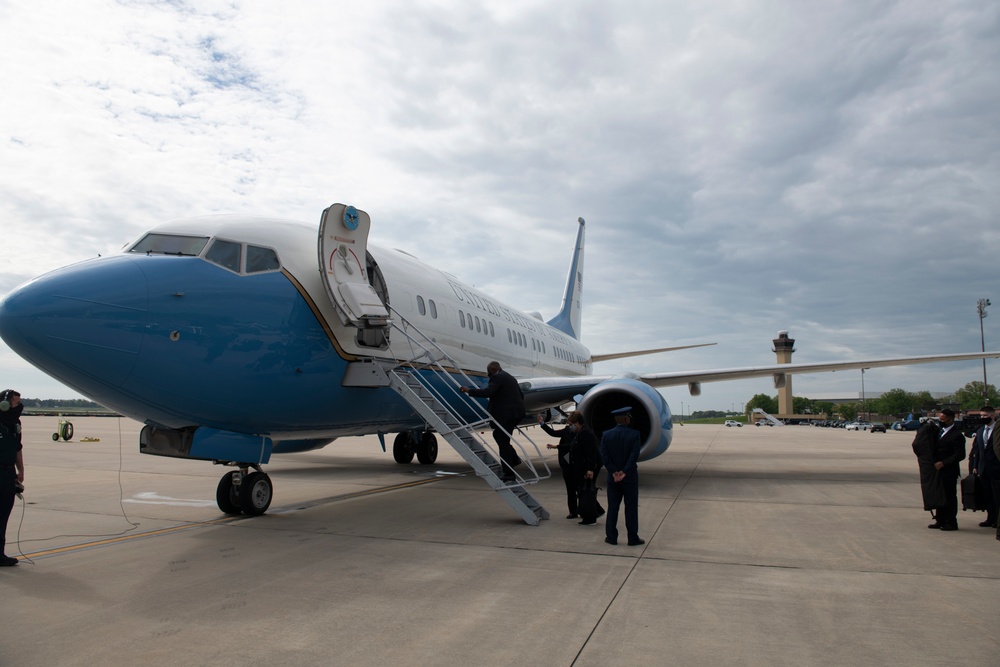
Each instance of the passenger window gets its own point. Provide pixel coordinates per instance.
(261, 259)
(478, 327)
(510, 338)
(461, 319)
(434, 308)
(421, 308)
(492, 330)
(226, 254)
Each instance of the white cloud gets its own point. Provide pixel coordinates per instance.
(827, 169)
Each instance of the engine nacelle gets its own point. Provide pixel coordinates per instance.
(650, 413)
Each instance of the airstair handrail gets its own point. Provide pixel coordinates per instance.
(423, 347)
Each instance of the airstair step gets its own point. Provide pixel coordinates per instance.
(462, 437)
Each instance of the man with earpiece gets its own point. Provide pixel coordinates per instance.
(11, 463)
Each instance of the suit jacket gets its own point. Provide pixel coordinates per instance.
(566, 437)
(996, 443)
(981, 455)
(583, 454)
(949, 449)
(620, 450)
(506, 404)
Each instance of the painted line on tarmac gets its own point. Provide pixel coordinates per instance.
(297, 507)
(59, 551)
(128, 538)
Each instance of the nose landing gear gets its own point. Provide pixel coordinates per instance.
(244, 492)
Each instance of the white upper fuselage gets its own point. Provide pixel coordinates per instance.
(451, 312)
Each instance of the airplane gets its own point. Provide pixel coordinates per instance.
(233, 338)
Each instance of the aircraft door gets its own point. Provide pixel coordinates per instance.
(343, 251)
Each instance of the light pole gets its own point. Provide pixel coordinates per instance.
(863, 408)
(981, 306)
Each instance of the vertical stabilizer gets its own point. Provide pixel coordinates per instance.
(568, 318)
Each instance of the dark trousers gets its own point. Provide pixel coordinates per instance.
(627, 490)
(996, 501)
(507, 452)
(7, 479)
(988, 477)
(948, 515)
(571, 485)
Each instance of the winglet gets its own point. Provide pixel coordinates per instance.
(568, 318)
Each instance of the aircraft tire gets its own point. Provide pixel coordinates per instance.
(227, 497)
(66, 431)
(427, 452)
(255, 494)
(402, 447)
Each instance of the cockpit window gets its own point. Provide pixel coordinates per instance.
(261, 259)
(170, 244)
(225, 254)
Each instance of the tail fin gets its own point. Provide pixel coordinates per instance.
(568, 318)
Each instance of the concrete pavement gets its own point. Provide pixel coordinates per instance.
(765, 546)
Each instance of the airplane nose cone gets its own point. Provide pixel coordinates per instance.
(82, 324)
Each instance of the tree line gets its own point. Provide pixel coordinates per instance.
(898, 402)
(58, 403)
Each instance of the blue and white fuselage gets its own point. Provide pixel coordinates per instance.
(233, 337)
(179, 340)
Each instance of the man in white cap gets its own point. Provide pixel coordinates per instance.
(620, 450)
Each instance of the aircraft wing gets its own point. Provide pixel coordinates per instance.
(675, 378)
(548, 391)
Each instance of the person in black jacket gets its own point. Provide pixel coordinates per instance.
(11, 462)
(506, 407)
(585, 463)
(566, 436)
(983, 462)
(947, 452)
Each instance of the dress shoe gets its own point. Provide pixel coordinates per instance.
(934, 526)
(588, 523)
(987, 524)
(636, 542)
(949, 526)
(7, 561)
(611, 541)
(572, 516)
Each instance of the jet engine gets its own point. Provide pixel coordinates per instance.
(650, 412)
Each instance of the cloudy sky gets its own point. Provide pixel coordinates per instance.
(832, 169)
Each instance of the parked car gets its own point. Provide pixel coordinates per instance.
(858, 426)
(877, 428)
(763, 422)
(733, 422)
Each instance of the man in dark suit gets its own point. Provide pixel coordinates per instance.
(947, 452)
(506, 407)
(620, 451)
(983, 462)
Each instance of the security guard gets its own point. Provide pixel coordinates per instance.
(620, 450)
(11, 462)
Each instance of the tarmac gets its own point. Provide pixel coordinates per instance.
(764, 546)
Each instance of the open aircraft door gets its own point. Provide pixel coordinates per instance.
(343, 251)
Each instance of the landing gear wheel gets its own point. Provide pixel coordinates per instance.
(66, 430)
(227, 496)
(427, 452)
(255, 493)
(403, 446)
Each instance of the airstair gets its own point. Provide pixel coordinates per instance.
(432, 390)
(428, 381)
(773, 421)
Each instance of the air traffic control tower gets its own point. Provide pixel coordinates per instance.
(783, 348)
